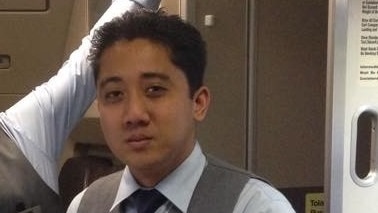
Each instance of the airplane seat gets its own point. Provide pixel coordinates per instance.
(80, 171)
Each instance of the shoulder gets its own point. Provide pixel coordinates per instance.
(74, 205)
(258, 196)
(231, 169)
(98, 196)
(112, 180)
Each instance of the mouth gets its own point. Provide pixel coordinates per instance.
(137, 138)
(138, 141)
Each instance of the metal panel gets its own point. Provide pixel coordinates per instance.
(352, 90)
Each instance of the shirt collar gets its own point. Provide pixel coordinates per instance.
(177, 187)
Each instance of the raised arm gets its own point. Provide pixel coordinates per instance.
(41, 122)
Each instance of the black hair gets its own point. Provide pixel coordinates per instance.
(186, 47)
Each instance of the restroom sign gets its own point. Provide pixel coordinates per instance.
(315, 203)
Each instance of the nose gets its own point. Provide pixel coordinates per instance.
(136, 113)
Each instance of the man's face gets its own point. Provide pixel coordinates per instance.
(146, 113)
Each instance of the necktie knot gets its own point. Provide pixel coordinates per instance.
(148, 201)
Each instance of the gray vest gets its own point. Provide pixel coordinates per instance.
(21, 188)
(217, 190)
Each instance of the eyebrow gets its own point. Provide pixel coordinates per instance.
(152, 75)
(147, 75)
(113, 79)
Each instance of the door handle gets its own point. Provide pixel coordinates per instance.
(5, 61)
(364, 149)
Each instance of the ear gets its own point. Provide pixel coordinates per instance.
(201, 103)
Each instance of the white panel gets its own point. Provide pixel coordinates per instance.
(353, 86)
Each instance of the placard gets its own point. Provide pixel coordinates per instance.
(368, 69)
(315, 203)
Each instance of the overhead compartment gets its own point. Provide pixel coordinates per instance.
(23, 5)
(32, 43)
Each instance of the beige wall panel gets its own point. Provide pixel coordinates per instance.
(172, 6)
(7, 100)
(22, 5)
(224, 132)
(35, 42)
(291, 42)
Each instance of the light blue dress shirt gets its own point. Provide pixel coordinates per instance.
(41, 122)
(178, 187)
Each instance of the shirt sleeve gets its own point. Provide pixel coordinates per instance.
(41, 122)
(259, 197)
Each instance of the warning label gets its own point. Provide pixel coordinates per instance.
(368, 69)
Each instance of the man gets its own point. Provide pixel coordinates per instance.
(149, 71)
(34, 130)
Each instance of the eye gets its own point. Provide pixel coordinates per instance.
(155, 91)
(113, 96)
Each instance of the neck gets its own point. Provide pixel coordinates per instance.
(149, 177)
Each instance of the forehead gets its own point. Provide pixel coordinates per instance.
(137, 54)
(139, 58)
(138, 48)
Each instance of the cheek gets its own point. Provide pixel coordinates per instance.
(109, 119)
(176, 116)
(111, 132)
